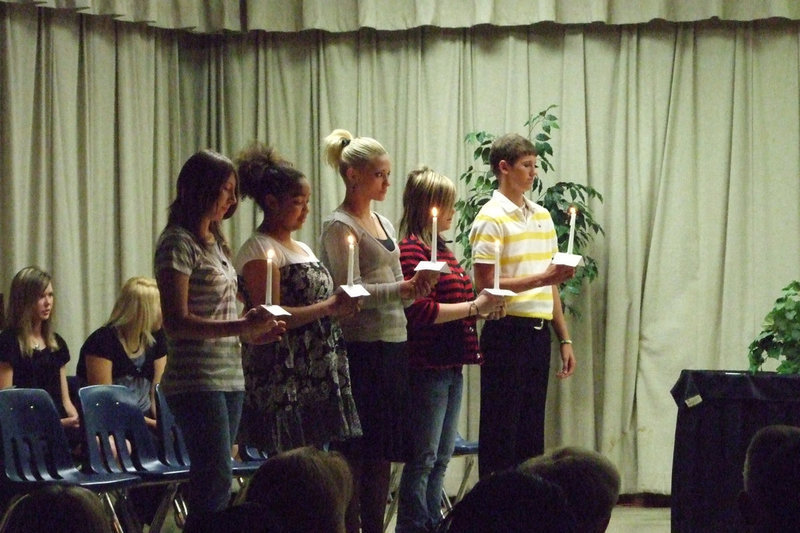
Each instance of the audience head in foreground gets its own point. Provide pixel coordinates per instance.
(511, 502)
(66, 509)
(303, 490)
(770, 501)
(590, 483)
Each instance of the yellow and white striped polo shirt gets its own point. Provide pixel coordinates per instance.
(527, 244)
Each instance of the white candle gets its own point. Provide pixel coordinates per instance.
(571, 241)
(268, 297)
(351, 243)
(497, 264)
(434, 233)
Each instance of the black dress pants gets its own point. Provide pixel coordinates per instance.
(514, 379)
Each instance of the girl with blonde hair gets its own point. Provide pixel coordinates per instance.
(376, 335)
(131, 348)
(441, 339)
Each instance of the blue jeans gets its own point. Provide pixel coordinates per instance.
(209, 421)
(434, 405)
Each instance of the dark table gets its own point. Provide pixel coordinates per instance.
(718, 414)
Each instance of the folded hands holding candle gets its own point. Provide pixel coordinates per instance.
(341, 304)
(262, 327)
(555, 274)
(490, 306)
(420, 285)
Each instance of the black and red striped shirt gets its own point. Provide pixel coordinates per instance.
(446, 345)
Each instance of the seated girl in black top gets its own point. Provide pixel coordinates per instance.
(32, 355)
(130, 349)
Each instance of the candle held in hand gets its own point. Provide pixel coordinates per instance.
(497, 264)
(434, 233)
(571, 242)
(268, 296)
(351, 243)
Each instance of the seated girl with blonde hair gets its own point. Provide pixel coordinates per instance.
(130, 349)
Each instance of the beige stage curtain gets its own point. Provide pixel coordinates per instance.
(204, 16)
(688, 129)
(208, 16)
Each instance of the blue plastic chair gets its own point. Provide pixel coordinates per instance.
(252, 454)
(173, 448)
(36, 451)
(110, 414)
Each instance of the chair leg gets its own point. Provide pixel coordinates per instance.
(462, 489)
(447, 505)
(105, 498)
(447, 502)
(10, 509)
(181, 509)
(163, 508)
(393, 496)
(122, 516)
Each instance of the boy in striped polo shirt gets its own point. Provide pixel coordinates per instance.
(517, 348)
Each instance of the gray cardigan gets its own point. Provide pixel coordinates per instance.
(381, 317)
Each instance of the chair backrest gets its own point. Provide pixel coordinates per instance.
(172, 446)
(112, 419)
(251, 453)
(35, 447)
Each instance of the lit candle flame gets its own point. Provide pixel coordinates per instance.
(571, 240)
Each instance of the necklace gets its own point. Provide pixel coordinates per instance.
(369, 224)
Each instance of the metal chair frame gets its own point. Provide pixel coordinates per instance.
(112, 421)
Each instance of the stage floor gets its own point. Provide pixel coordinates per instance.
(626, 519)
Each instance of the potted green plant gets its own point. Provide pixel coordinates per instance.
(780, 336)
(557, 199)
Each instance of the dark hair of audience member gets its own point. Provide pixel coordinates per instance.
(590, 482)
(511, 502)
(304, 490)
(59, 508)
(770, 501)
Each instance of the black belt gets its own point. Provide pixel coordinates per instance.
(525, 321)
